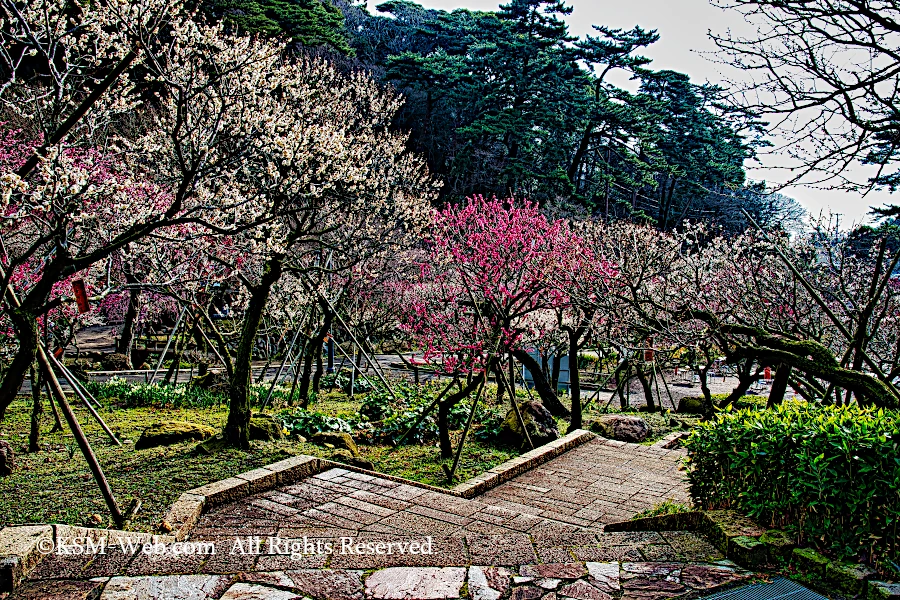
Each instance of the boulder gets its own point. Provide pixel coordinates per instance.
(693, 405)
(541, 425)
(625, 428)
(115, 362)
(265, 428)
(212, 382)
(338, 439)
(172, 432)
(7, 459)
(345, 457)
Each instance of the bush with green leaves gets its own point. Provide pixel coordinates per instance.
(130, 394)
(341, 380)
(830, 475)
(299, 421)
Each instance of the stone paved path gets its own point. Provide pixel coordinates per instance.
(537, 536)
(603, 481)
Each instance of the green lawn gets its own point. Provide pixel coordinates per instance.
(55, 485)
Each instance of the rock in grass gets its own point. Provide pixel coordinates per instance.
(625, 428)
(541, 425)
(265, 428)
(7, 459)
(693, 405)
(848, 578)
(172, 432)
(338, 439)
(115, 362)
(344, 456)
(810, 561)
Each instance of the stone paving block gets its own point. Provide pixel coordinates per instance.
(554, 570)
(658, 552)
(220, 492)
(701, 577)
(276, 562)
(604, 576)
(488, 583)
(249, 591)
(554, 555)
(849, 578)
(445, 552)
(500, 550)
(810, 561)
(58, 589)
(581, 590)
(60, 566)
(691, 547)
(21, 548)
(607, 553)
(881, 590)
(170, 587)
(527, 592)
(260, 480)
(183, 515)
(333, 584)
(114, 562)
(415, 583)
(168, 563)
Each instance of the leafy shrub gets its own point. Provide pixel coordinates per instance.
(831, 475)
(491, 426)
(130, 394)
(341, 380)
(376, 405)
(303, 422)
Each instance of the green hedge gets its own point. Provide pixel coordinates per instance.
(831, 475)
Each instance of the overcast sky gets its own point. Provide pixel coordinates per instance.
(684, 46)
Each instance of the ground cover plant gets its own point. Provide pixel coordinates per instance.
(830, 475)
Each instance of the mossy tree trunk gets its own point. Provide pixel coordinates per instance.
(237, 428)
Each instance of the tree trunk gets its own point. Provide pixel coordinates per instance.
(648, 390)
(501, 388)
(574, 380)
(315, 352)
(27, 335)
(326, 327)
(34, 436)
(444, 407)
(306, 375)
(746, 377)
(779, 385)
(443, 423)
(554, 374)
(702, 373)
(542, 386)
(237, 428)
(126, 338)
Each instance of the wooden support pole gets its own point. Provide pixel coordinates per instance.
(78, 392)
(162, 356)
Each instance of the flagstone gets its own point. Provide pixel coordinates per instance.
(415, 583)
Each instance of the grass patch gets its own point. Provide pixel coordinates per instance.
(666, 507)
(55, 485)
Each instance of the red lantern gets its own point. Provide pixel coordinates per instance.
(81, 297)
